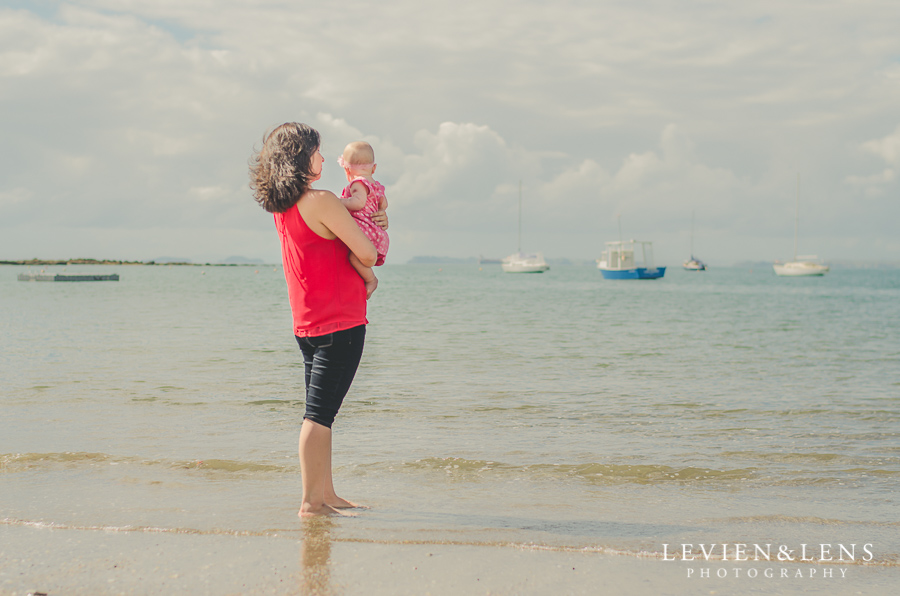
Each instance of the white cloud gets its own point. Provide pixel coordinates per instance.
(451, 158)
(887, 148)
(117, 111)
(15, 196)
(208, 193)
(671, 180)
(584, 182)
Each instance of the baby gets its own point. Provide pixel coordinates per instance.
(363, 196)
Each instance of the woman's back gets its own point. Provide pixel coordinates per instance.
(325, 292)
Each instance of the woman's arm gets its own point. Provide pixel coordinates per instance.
(332, 214)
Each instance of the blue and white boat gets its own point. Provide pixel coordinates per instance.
(618, 261)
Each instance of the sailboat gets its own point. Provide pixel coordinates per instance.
(801, 265)
(693, 264)
(521, 262)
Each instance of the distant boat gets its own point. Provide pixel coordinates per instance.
(800, 266)
(521, 262)
(66, 277)
(618, 260)
(524, 263)
(693, 264)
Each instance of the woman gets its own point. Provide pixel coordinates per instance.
(327, 296)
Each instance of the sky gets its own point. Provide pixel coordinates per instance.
(127, 125)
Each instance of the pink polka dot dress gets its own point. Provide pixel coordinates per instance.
(374, 195)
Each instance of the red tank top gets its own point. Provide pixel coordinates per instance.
(325, 291)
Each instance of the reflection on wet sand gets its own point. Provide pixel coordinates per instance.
(315, 555)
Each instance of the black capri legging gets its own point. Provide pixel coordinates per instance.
(330, 363)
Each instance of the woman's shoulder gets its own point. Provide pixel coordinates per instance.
(316, 199)
(321, 206)
(315, 195)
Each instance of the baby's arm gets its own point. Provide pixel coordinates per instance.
(358, 195)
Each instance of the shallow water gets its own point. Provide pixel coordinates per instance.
(557, 410)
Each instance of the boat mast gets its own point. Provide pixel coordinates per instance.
(693, 213)
(621, 246)
(520, 216)
(797, 217)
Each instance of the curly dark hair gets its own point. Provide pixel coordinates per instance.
(280, 171)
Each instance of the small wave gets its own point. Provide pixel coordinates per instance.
(594, 473)
(321, 526)
(832, 462)
(20, 462)
(803, 519)
(239, 466)
(43, 525)
(10, 462)
(292, 403)
(788, 457)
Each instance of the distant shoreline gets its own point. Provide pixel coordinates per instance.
(44, 262)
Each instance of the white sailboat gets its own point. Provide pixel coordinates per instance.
(693, 264)
(522, 262)
(800, 265)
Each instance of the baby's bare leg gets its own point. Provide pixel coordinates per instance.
(366, 273)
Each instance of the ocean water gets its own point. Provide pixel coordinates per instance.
(558, 411)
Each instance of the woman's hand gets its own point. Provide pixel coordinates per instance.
(380, 217)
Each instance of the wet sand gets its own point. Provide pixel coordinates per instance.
(308, 561)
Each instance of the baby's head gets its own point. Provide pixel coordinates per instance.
(358, 159)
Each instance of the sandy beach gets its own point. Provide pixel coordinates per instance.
(306, 560)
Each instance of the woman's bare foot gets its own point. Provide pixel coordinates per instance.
(324, 509)
(339, 503)
(370, 287)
